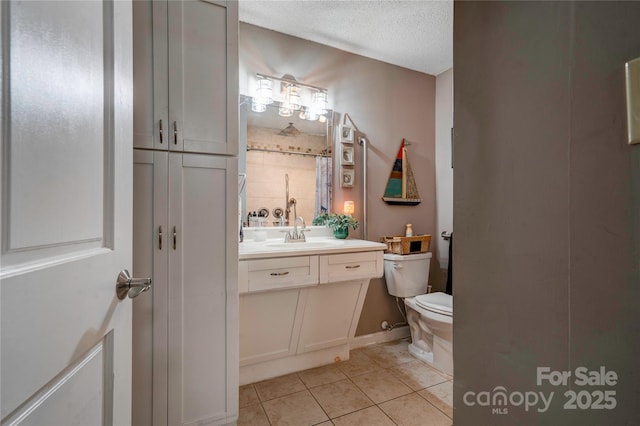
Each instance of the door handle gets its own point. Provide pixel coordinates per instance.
(175, 238)
(175, 133)
(160, 238)
(132, 287)
(161, 135)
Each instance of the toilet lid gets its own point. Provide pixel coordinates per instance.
(439, 302)
(397, 257)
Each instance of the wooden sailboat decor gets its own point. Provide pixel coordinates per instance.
(401, 186)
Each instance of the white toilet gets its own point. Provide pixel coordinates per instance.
(430, 316)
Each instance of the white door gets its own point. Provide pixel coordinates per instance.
(66, 212)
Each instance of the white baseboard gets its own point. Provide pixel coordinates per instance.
(293, 363)
(380, 337)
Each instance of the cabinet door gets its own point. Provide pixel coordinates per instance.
(320, 330)
(150, 258)
(203, 76)
(203, 294)
(151, 127)
(270, 324)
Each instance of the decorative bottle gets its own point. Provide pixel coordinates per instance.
(408, 230)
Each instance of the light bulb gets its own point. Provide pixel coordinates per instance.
(257, 106)
(264, 93)
(285, 110)
(293, 96)
(319, 103)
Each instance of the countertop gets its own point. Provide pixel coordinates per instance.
(275, 247)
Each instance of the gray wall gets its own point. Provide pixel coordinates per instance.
(546, 206)
(385, 102)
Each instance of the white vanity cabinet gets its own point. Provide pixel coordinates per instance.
(185, 58)
(299, 312)
(185, 328)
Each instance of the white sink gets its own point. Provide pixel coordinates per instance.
(268, 243)
(306, 245)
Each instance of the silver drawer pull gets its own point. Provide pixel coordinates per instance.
(278, 274)
(352, 266)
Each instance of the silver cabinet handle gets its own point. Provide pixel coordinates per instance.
(175, 238)
(159, 237)
(132, 287)
(278, 274)
(352, 266)
(175, 133)
(161, 132)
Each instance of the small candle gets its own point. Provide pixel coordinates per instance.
(349, 207)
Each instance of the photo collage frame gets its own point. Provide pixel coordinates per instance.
(347, 156)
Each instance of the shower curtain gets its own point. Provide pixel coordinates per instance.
(323, 185)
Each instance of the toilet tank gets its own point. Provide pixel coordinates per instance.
(406, 275)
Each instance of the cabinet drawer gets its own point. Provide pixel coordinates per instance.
(273, 274)
(351, 266)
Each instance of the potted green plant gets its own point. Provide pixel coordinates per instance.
(337, 222)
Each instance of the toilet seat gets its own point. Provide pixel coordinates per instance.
(438, 302)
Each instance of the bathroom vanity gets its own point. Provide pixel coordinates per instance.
(300, 302)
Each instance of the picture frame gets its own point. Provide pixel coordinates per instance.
(346, 134)
(346, 156)
(347, 177)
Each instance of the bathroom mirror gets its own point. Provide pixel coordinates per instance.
(283, 156)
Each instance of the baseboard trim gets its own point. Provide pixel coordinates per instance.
(380, 337)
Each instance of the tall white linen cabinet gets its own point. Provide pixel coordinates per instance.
(185, 332)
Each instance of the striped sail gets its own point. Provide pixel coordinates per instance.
(401, 186)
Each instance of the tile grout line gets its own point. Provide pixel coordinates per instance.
(314, 398)
(375, 404)
(435, 406)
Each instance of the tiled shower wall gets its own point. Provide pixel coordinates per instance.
(266, 171)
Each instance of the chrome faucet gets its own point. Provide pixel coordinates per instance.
(287, 209)
(288, 202)
(294, 236)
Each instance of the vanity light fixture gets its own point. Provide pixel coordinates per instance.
(258, 106)
(292, 97)
(319, 103)
(285, 110)
(291, 100)
(264, 93)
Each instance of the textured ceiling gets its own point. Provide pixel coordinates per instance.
(415, 34)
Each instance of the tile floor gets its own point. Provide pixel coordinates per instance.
(378, 385)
